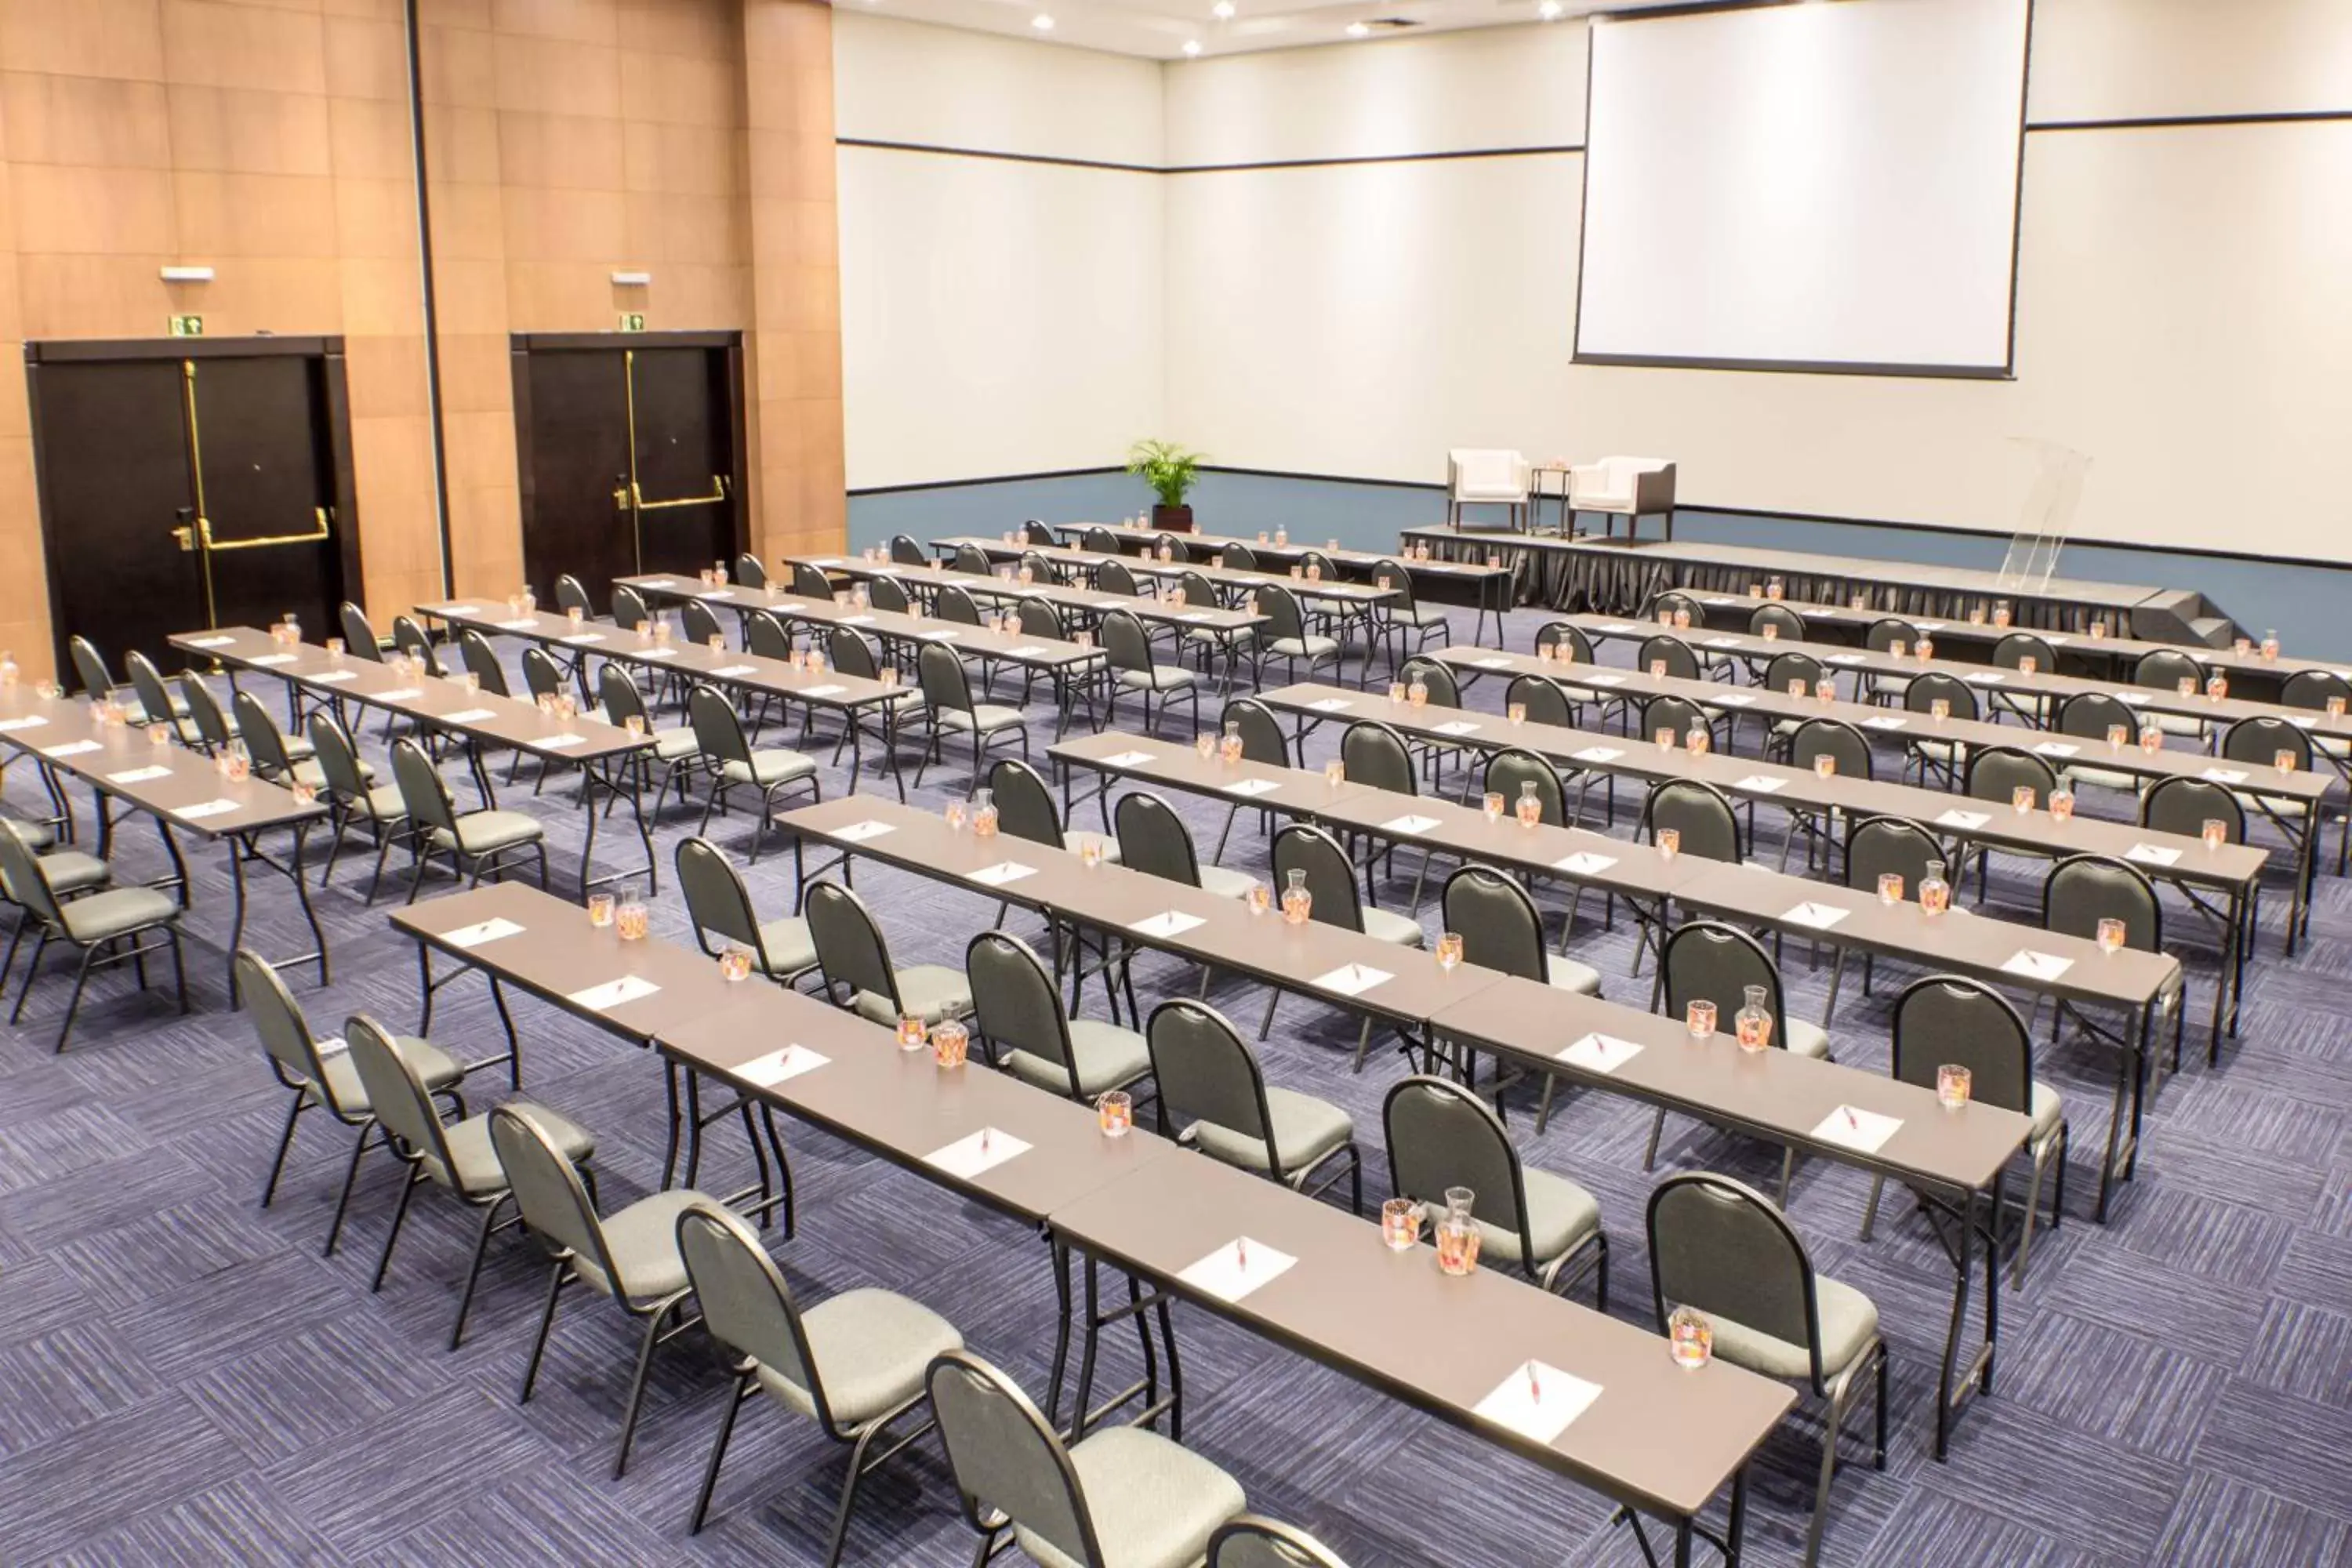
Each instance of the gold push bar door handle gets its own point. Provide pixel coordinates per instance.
(718, 493)
(185, 538)
(320, 529)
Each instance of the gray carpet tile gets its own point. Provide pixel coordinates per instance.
(184, 1379)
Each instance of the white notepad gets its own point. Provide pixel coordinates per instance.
(468, 716)
(557, 743)
(983, 1151)
(1352, 979)
(1844, 659)
(271, 659)
(519, 623)
(2055, 749)
(1029, 650)
(1585, 863)
(853, 620)
(1002, 872)
(578, 639)
(485, 930)
(1984, 678)
(1719, 603)
(1597, 755)
(2224, 775)
(1762, 783)
(210, 642)
(139, 776)
(2152, 855)
(1253, 788)
(1236, 1269)
(399, 694)
(613, 993)
(1603, 679)
(1332, 704)
(1819, 917)
(2035, 966)
(1409, 824)
(1615, 629)
(1457, 727)
(1197, 616)
(1538, 1401)
(1720, 642)
(766, 1072)
(1864, 1131)
(334, 677)
(947, 636)
(2131, 699)
(728, 671)
(656, 653)
(203, 809)
(70, 749)
(1887, 722)
(1127, 760)
(859, 832)
(1734, 699)
(1959, 819)
(1166, 923)
(1601, 1053)
(1490, 663)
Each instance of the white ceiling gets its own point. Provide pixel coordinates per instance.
(1159, 29)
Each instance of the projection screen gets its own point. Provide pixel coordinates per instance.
(1825, 187)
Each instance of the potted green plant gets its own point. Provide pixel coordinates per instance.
(1171, 471)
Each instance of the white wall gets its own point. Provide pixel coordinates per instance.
(998, 316)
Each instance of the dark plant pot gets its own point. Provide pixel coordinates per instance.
(1174, 519)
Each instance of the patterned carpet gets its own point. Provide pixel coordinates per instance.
(183, 1379)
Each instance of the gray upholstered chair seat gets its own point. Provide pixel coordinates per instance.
(675, 745)
(643, 1239)
(2046, 1109)
(381, 804)
(435, 1068)
(72, 871)
(1849, 1321)
(1560, 1216)
(116, 912)
(1305, 1129)
(1154, 1504)
(1107, 1055)
(309, 771)
(1075, 841)
(930, 991)
(37, 836)
(1418, 615)
(1240, 636)
(477, 1169)
(2098, 778)
(870, 1347)
(1158, 678)
(1386, 925)
(769, 768)
(2176, 723)
(1941, 751)
(488, 832)
(791, 948)
(1224, 882)
(1311, 645)
(990, 716)
(1806, 1040)
(1570, 976)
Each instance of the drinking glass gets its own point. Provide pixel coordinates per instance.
(471, 682)
(2284, 760)
(2062, 805)
(304, 793)
(2271, 645)
(1492, 804)
(1206, 744)
(955, 816)
(735, 962)
(1670, 841)
(1449, 951)
(600, 910)
(1666, 737)
(1335, 772)
(2020, 799)
(1926, 650)
(1824, 764)
(1545, 652)
(2216, 832)
(912, 1035)
(2336, 708)
(2000, 615)
(1771, 632)
(1696, 739)
(2217, 687)
(1700, 1019)
(158, 734)
(1939, 709)
(1115, 1112)
(2111, 934)
(1259, 897)
(2118, 736)
(1890, 886)
(1682, 619)
(1897, 647)
(2187, 686)
(1657, 670)
(1400, 1225)
(1797, 686)
(1691, 1338)
(1515, 713)
(2151, 739)
(950, 1042)
(1952, 1086)
(1416, 695)
(576, 614)
(1975, 615)
(334, 648)
(630, 917)
(1090, 851)
(1396, 691)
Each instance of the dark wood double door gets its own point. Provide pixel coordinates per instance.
(630, 454)
(188, 483)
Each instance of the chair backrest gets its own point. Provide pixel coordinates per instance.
(851, 653)
(212, 724)
(1790, 624)
(1674, 602)
(1392, 573)
(541, 675)
(1097, 540)
(1924, 689)
(1025, 803)
(89, 664)
(1678, 715)
(1497, 922)
(359, 633)
(751, 571)
(972, 560)
(1721, 1248)
(1237, 557)
(716, 898)
(1951, 1018)
(1559, 635)
(424, 794)
(811, 582)
(1113, 577)
(1124, 641)
(1699, 813)
(21, 874)
(482, 661)
(263, 742)
(717, 727)
(550, 1195)
(396, 1097)
(1508, 773)
(1440, 1135)
(1836, 738)
(1007, 1458)
(1375, 756)
(1039, 618)
(1153, 840)
(884, 594)
(1788, 666)
(2184, 805)
(1263, 739)
(570, 594)
(1681, 663)
(1444, 690)
(906, 551)
(277, 1018)
(765, 637)
(338, 759)
(629, 608)
(1320, 566)
(850, 950)
(2261, 738)
(1034, 531)
(1878, 845)
(1485, 473)
(946, 686)
(1545, 701)
(2091, 714)
(2311, 688)
(1015, 1001)
(155, 697)
(952, 603)
(1041, 570)
(745, 1305)
(409, 637)
(1204, 1071)
(1250, 1541)
(1330, 875)
(2084, 889)
(1888, 630)
(2163, 670)
(2017, 647)
(1707, 961)
(1995, 772)
(700, 623)
(1279, 606)
(618, 688)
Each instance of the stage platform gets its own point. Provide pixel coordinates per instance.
(1621, 577)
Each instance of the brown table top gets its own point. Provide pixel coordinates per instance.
(60, 733)
(1087, 602)
(507, 722)
(1013, 647)
(1264, 543)
(1775, 1093)
(1633, 870)
(1223, 576)
(1171, 764)
(2229, 866)
(1113, 898)
(1657, 1436)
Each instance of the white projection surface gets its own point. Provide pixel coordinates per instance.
(1825, 186)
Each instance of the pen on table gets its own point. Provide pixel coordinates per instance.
(983, 1142)
(1534, 1389)
(1850, 1121)
(1241, 1253)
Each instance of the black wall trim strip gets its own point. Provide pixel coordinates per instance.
(1813, 367)
(431, 313)
(986, 479)
(2190, 121)
(1001, 157)
(939, 151)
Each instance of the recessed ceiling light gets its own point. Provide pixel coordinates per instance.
(1192, 45)
(1223, 10)
(1359, 30)
(1042, 22)
(1550, 10)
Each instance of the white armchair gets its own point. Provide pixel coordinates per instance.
(1630, 487)
(1485, 476)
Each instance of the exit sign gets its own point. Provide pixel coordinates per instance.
(633, 321)
(187, 326)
